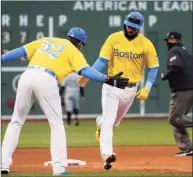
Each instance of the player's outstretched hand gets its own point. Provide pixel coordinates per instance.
(117, 81)
(143, 93)
(82, 81)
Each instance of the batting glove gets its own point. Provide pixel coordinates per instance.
(117, 81)
(143, 93)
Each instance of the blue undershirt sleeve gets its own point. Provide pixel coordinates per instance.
(92, 74)
(151, 77)
(14, 54)
(100, 64)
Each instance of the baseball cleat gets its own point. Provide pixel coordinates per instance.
(108, 159)
(97, 134)
(185, 153)
(4, 171)
(107, 166)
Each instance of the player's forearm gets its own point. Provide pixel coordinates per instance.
(171, 72)
(92, 74)
(151, 77)
(100, 64)
(13, 54)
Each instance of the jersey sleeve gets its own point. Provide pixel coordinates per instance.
(151, 55)
(175, 60)
(78, 61)
(107, 49)
(31, 47)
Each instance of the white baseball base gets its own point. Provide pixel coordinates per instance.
(71, 162)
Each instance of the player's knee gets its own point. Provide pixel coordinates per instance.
(16, 123)
(174, 121)
(76, 111)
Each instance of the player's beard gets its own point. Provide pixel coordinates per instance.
(79, 46)
(130, 36)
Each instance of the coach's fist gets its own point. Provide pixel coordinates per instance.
(82, 81)
(143, 93)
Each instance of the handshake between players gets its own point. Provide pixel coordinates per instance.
(116, 81)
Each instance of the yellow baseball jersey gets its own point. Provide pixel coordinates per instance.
(130, 57)
(56, 54)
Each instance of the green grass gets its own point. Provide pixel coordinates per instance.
(130, 132)
(101, 174)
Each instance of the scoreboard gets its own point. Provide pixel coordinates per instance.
(25, 21)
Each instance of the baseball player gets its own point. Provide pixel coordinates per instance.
(50, 60)
(130, 51)
(71, 92)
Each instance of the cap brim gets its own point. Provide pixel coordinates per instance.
(132, 24)
(166, 39)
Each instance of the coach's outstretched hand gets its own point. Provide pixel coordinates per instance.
(117, 81)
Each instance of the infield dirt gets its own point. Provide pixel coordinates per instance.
(129, 158)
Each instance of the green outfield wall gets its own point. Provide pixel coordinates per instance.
(24, 21)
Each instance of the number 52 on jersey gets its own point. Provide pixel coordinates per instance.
(50, 48)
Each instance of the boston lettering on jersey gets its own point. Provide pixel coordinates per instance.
(128, 54)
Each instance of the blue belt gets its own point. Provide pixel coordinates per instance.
(45, 70)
